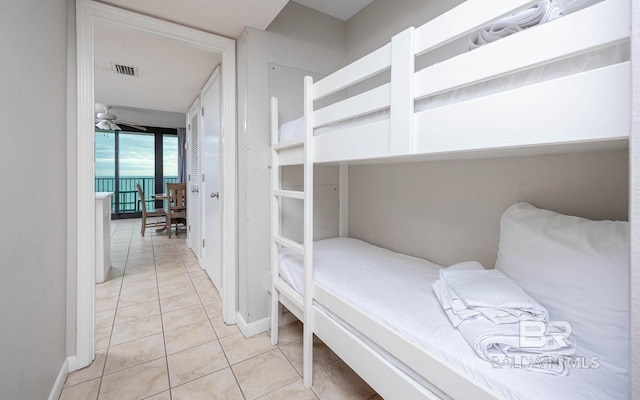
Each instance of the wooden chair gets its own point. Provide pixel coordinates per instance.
(148, 214)
(176, 211)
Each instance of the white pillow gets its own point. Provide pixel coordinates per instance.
(579, 270)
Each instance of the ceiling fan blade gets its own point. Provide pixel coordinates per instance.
(142, 128)
(107, 125)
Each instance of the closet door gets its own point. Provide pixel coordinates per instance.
(194, 134)
(211, 188)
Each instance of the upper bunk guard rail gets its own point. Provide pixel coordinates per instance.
(370, 101)
(538, 115)
(532, 47)
(452, 25)
(353, 73)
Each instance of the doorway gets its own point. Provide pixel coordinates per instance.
(89, 14)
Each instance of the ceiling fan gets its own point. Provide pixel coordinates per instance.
(107, 121)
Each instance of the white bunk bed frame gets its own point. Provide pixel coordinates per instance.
(600, 99)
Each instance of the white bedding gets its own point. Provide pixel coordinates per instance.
(396, 291)
(295, 129)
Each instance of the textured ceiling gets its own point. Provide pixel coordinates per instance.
(170, 73)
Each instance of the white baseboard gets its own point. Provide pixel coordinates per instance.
(252, 328)
(72, 363)
(56, 391)
(261, 325)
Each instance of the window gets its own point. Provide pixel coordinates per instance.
(124, 159)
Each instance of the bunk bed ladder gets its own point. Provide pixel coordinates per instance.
(277, 240)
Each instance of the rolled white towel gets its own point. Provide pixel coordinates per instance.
(502, 344)
(545, 11)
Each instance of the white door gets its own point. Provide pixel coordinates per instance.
(211, 188)
(193, 179)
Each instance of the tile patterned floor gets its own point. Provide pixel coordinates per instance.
(160, 336)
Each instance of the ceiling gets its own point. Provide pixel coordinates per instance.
(341, 9)
(170, 73)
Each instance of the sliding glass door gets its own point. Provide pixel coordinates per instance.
(124, 159)
(136, 165)
(169, 160)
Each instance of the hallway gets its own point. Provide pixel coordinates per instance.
(160, 335)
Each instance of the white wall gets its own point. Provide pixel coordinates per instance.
(33, 176)
(375, 24)
(449, 211)
(298, 38)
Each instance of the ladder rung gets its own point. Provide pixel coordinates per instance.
(289, 243)
(288, 144)
(291, 194)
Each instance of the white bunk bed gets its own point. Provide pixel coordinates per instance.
(583, 108)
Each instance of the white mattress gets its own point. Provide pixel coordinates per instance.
(395, 290)
(608, 56)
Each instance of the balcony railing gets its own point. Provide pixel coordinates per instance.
(128, 194)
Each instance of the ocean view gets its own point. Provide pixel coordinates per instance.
(128, 192)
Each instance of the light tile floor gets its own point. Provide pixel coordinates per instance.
(159, 335)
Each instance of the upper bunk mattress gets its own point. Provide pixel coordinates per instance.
(395, 290)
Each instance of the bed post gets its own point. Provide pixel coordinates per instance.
(307, 334)
(343, 191)
(402, 99)
(275, 223)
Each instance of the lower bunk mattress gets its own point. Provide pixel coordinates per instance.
(395, 290)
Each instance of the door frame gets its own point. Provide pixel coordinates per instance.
(89, 13)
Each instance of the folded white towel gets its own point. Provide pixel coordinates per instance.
(545, 11)
(467, 291)
(491, 311)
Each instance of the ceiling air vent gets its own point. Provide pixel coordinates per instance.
(125, 70)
